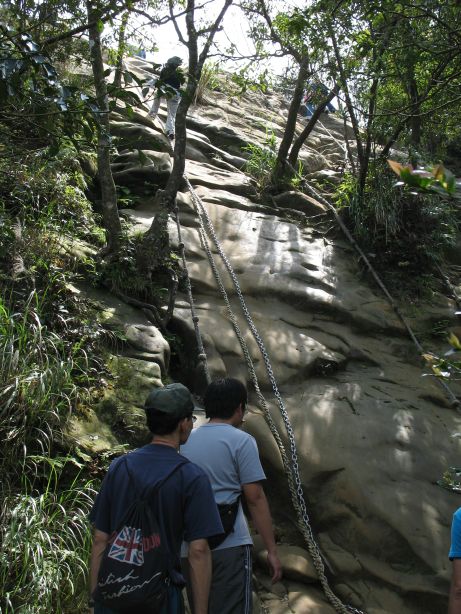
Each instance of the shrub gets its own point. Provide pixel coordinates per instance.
(402, 229)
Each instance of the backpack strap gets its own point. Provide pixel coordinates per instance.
(157, 487)
(149, 491)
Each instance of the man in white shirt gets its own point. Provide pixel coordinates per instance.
(230, 458)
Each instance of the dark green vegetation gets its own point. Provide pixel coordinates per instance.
(396, 71)
(48, 364)
(51, 345)
(406, 233)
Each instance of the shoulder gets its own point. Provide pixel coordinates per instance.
(457, 517)
(245, 439)
(192, 472)
(116, 464)
(195, 482)
(246, 436)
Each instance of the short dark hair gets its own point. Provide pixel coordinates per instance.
(160, 423)
(223, 396)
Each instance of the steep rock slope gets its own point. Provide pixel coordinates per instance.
(372, 435)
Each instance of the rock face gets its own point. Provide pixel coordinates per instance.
(373, 436)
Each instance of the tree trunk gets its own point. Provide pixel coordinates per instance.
(154, 248)
(290, 126)
(344, 87)
(415, 119)
(301, 139)
(378, 65)
(121, 50)
(395, 135)
(108, 191)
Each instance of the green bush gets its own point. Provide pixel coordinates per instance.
(402, 229)
(48, 195)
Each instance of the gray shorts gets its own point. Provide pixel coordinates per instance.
(230, 591)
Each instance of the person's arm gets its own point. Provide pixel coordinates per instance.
(454, 603)
(200, 574)
(260, 514)
(100, 540)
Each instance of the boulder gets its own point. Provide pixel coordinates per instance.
(134, 169)
(136, 136)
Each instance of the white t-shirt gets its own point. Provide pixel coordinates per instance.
(230, 458)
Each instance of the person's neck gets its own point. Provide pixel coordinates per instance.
(172, 442)
(230, 421)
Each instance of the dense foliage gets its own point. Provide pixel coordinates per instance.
(49, 349)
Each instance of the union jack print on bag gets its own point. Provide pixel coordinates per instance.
(128, 546)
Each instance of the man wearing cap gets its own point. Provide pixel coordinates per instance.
(168, 86)
(230, 458)
(187, 509)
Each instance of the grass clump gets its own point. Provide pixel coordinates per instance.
(45, 540)
(261, 160)
(42, 379)
(404, 233)
(208, 82)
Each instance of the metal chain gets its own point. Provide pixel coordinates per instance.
(195, 319)
(292, 472)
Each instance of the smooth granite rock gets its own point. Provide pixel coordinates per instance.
(372, 435)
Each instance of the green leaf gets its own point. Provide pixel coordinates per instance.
(454, 341)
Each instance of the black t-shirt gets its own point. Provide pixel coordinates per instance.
(172, 76)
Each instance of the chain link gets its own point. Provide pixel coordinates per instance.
(291, 468)
(195, 319)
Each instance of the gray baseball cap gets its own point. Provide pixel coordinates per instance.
(173, 399)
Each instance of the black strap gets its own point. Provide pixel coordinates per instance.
(149, 491)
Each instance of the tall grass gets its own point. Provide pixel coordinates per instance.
(261, 160)
(43, 511)
(44, 544)
(50, 349)
(38, 388)
(209, 81)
